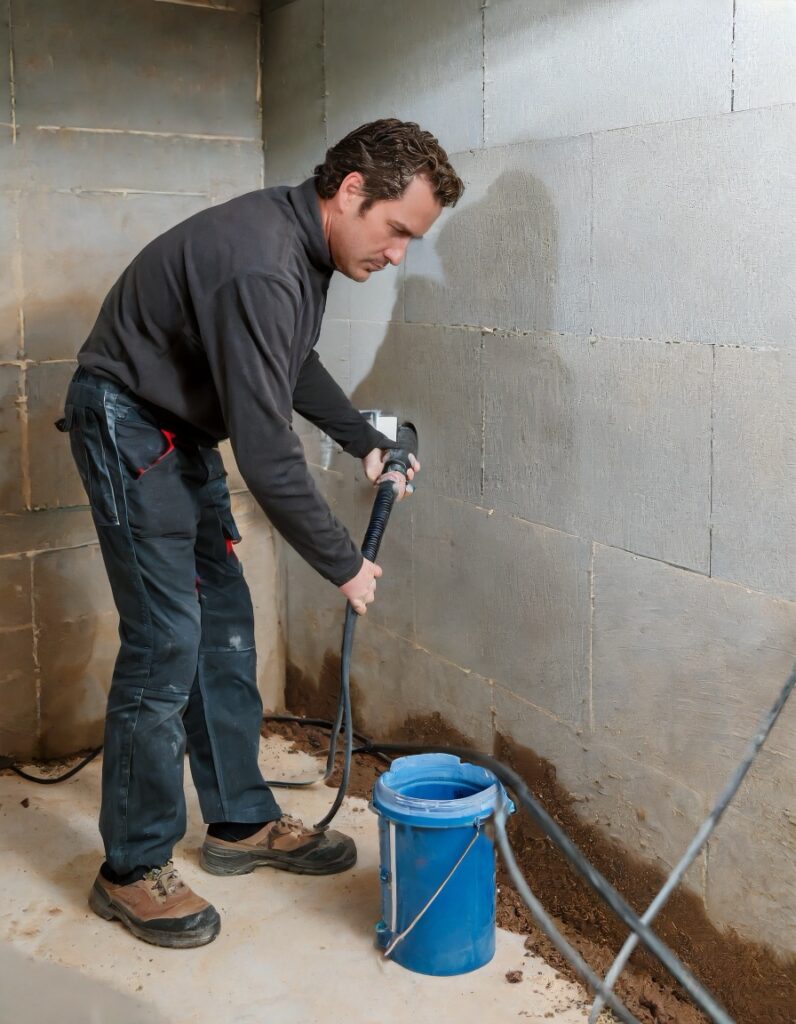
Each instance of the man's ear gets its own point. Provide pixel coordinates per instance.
(350, 194)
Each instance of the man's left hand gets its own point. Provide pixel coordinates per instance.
(373, 464)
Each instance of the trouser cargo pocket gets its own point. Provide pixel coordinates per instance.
(155, 464)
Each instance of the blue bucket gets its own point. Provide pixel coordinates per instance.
(432, 808)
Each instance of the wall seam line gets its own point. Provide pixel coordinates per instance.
(518, 332)
(195, 136)
(483, 73)
(565, 139)
(202, 6)
(590, 673)
(492, 714)
(24, 441)
(323, 76)
(482, 379)
(18, 283)
(413, 574)
(12, 84)
(123, 193)
(35, 658)
(711, 462)
(590, 298)
(258, 86)
(732, 58)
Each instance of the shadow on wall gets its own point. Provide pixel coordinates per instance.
(497, 258)
(487, 406)
(442, 379)
(494, 255)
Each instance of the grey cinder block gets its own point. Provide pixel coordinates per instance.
(408, 59)
(10, 335)
(387, 668)
(18, 706)
(693, 236)
(602, 438)
(77, 646)
(95, 162)
(506, 599)
(764, 55)
(15, 609)
(173, 69)
(556, 69)
(73, 249)
(294, 126)
(649, 813)
(54, 480)
(11, 460)
(754, 475)
(750, 884)
(45, 530)
(684, 667)
(5, 79)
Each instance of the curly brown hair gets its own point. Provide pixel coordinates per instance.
(388, 154)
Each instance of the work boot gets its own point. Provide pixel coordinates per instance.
(159, 908)
(286, 844)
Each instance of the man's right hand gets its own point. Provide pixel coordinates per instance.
(361, 590)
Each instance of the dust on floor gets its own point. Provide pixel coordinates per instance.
(754, 984)
(292, 949)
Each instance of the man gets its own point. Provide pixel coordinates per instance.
(208, 334)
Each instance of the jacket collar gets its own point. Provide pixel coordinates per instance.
(304, 200)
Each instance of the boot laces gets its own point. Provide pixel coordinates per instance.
(288, 823)
(166, 879)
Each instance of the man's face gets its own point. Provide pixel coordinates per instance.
(363, 242)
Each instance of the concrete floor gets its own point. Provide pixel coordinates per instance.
(291, 949)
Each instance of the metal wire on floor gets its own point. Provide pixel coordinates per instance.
(639, 926)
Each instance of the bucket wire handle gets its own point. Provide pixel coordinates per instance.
(402, 935)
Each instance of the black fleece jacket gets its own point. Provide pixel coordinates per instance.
(214, 323)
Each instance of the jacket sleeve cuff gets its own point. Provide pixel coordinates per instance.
(369, 439)
(349, 573)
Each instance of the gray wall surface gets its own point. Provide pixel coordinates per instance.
(116, 121)
(598, 347)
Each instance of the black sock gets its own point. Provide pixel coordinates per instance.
(127, 879)
(233, 831)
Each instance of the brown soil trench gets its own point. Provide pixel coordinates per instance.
(754, 984)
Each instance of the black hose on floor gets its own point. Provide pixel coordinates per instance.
(640, 928)
(380, 515)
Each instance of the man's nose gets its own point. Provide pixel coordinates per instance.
(396, 252)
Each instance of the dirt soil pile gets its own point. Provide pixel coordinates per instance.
(754, 985)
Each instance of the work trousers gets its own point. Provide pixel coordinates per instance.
(185, 675)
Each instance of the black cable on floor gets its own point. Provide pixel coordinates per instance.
(343, 720)
(45, 780)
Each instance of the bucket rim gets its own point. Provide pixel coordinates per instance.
(430, 812)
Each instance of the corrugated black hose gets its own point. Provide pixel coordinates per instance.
(640, 928)
(398, 459)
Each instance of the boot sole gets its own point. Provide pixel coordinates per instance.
(223, 861)
(104, 907)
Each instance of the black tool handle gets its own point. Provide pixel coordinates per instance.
(398, 460)
(406, 444)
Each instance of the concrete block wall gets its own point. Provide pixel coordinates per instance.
(597, 346)
(116, 121)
